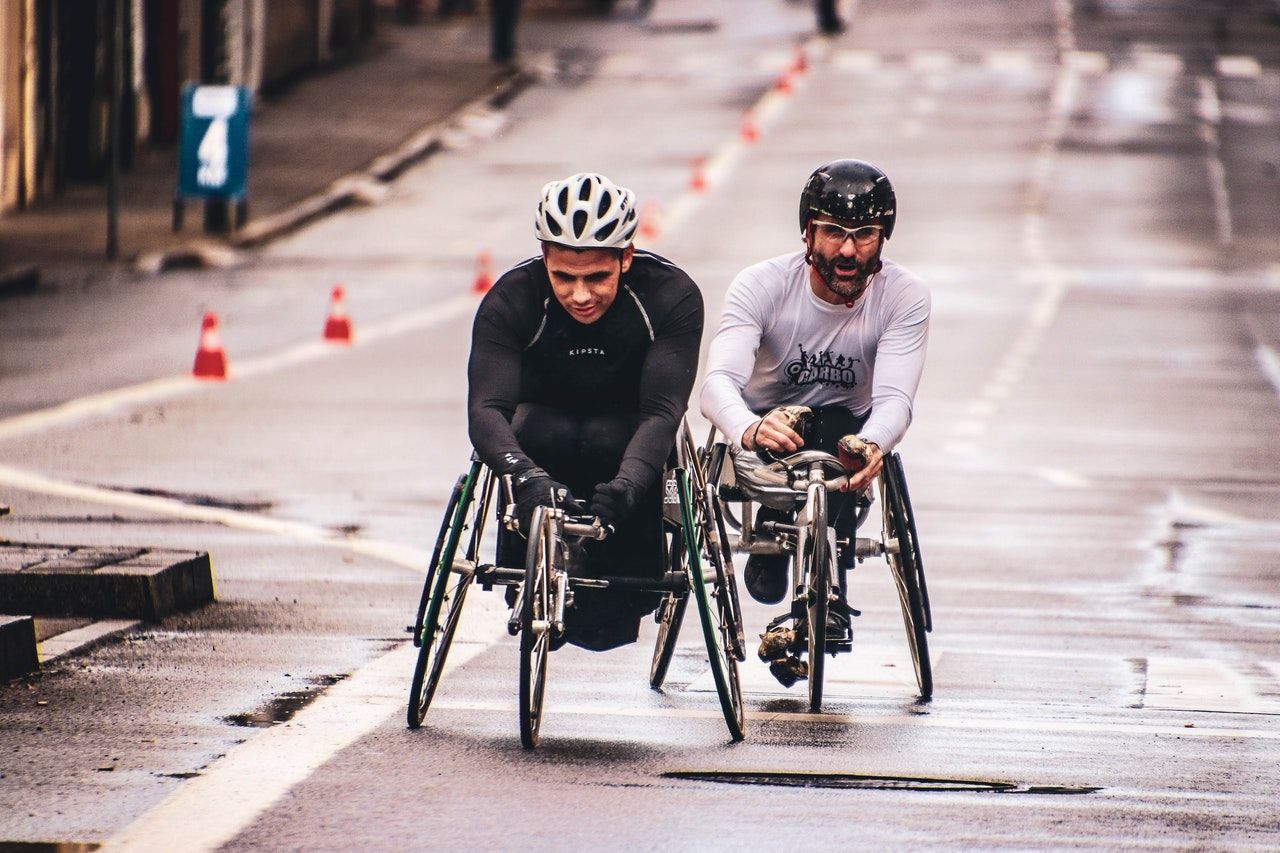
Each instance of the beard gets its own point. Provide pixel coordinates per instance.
(848, 288)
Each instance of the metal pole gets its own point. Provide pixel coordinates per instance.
(113, 132)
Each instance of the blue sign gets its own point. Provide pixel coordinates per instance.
(213, 157)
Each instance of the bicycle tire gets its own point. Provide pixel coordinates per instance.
(535, 631)
(817, 585)
(903, 562)
(670, 617)
(432, 635)
(714, 610)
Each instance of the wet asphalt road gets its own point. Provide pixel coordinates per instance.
(1090, 191)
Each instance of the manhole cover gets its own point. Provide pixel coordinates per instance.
(868, 782)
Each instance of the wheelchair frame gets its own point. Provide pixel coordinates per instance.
(698, 561)
(813, 546)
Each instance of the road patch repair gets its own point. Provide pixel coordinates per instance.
(860, 781)
(121, 586)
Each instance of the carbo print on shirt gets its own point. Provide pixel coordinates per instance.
(822, 369)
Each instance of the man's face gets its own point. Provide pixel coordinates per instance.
(585, 281)
(844, 254)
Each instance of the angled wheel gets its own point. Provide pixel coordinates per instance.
(670, 616)
(817, 576)
(698, 462)
(445, 589)
(712, 588)
(903, 554)
(535, 625)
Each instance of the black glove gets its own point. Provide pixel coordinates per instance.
(614, 501)
(534, 487)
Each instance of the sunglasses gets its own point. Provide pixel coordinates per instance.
(863, 235)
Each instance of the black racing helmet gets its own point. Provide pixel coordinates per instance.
(851, 190)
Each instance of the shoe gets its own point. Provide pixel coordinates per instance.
(789, 670)
(766, 577)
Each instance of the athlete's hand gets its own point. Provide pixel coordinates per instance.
(777, 430)
(863, 460)
(534, 487)
(614, 501)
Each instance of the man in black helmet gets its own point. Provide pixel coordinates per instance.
(822, 348)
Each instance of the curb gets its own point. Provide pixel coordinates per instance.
(18, 654)
(476, 119)
(134, 583)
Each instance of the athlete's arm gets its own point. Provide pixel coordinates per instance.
(493, 373)
(900, 355)
(731, 361)
(666, 381)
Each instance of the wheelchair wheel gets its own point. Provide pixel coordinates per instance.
(670, 616)
(698, 462)
(535, 624)
(711, 586)
(445, 590)
(908, 570)
(817, 574)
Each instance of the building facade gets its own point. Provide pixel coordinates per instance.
(58, 66)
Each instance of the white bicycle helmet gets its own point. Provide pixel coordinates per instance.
(587, 211)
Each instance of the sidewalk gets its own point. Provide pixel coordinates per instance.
(371, 116)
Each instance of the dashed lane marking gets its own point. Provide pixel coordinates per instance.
(1197, 684)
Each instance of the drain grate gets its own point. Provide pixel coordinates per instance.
(859, 781)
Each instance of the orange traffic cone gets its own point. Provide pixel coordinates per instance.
(650, 221)
(211, 361)
(800, 65)
(784, 85)
(337, 328)
(698, 180)
(749, 132)
(484, 275)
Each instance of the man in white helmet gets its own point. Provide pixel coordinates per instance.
(582, 362)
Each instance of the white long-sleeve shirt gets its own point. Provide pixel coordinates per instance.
(779, 344)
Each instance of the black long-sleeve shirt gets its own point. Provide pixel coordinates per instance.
(641, 356)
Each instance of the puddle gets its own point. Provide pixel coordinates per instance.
(282, 708)
(858, 781)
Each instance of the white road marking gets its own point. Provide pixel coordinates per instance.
(875, 671)
(211, 809)
(403, 555)
(1087, 61)
(998, 721)
(1060, 477)
(1008, 60)
(1269, 364)
(1197, 684)
(1245, 67)
(1158, 63)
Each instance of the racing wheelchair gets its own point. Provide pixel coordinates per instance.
(800, 484)
(698, 564)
